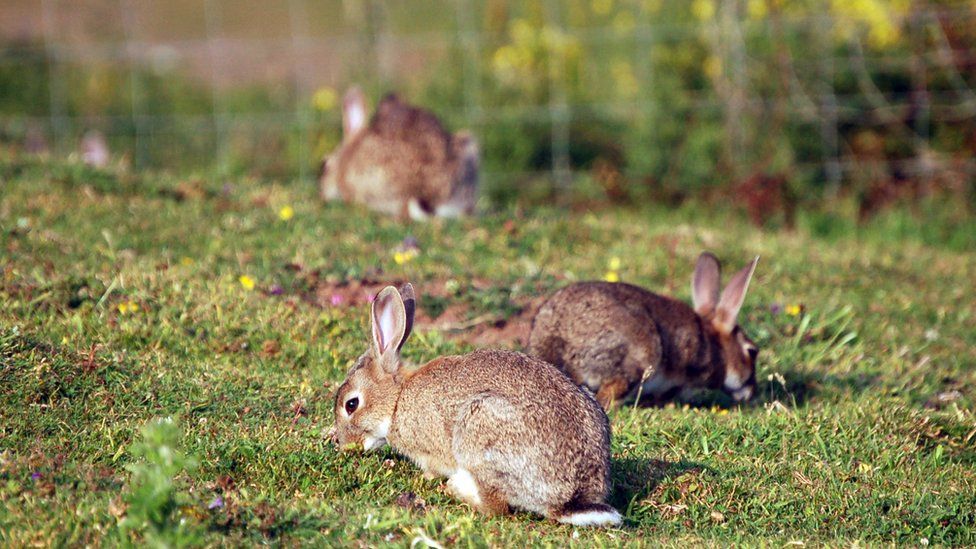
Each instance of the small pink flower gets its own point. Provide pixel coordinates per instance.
(217, 503)
(336, 300)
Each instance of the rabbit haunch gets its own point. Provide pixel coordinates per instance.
(506, 430)
(401, 162)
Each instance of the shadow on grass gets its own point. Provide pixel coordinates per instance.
(636, 478)
(793, 389)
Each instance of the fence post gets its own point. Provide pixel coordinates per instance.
(212, 21)
(135, 96)
(56, 92)
(829, 132)
(644, 68)
(559, 111)
(298, 21)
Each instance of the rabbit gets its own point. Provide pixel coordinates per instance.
(625, 342)
(401, 162)
(506, 429)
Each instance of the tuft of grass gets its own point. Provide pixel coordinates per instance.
(153, 502)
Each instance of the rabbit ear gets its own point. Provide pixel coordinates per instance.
(409, 306)
(391, 324)
(704, 283)
(353, 112)
(732, 298)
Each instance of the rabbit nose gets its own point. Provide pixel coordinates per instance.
(333, 436)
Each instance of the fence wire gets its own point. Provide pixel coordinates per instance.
(386, 47)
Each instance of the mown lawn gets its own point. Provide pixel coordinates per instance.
(124, 299)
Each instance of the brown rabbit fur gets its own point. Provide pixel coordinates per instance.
(506, 429)
(621, 340)
(403, 162)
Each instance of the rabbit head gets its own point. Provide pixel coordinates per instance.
(464, 185)
(719, 313)
(365, 401)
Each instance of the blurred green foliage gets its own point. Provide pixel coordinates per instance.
(153, 499)
(650, 99)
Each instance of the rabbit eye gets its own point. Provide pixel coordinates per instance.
(351, 405)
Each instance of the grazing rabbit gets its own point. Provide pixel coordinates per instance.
(506, 429)
(402, 162)
(623, 341)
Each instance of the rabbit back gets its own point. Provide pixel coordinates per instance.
(616, 339)
(519, 426)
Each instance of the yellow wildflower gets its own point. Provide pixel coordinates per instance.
(883, 34)
(286, 213)
(325, 99)
(522, 32)
(703, 9)
(601, 7)
(624, 78)
(652, 6)
(712, 66)
(614, 264)
(757, 9)
(611, 276)
(247, 282)
(128, 307)
(793, 310)
(553, 39)
(405, 256)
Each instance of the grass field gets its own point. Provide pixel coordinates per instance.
(236, 308)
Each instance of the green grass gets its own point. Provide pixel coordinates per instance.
(121, 302)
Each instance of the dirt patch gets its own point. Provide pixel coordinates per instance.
(346, 293)
(440, 306)
(488, 329)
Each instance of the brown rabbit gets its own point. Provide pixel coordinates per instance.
(506, 429)
(402, 162)
(623, 341)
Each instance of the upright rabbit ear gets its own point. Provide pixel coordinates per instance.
(409, 306)
(704, 284)
(388, 321)
(353, 113)
(391, 319)
(732, 298)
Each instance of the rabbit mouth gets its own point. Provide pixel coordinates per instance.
(377, 439)
(742, 394)
(372, 443)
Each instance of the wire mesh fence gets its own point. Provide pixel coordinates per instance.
(655, 93)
